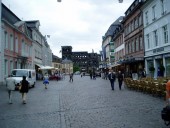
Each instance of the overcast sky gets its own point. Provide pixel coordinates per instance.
(77, 23)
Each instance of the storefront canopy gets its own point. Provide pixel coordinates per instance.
(39, 65)
(46, 67)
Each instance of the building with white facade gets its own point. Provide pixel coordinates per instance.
(108, 46)
(156, 18)
(37, 43)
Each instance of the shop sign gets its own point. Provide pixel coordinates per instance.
(158, 50)
(167, 55)
(158, 57)
(149, 58)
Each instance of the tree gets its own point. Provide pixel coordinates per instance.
(76, 68)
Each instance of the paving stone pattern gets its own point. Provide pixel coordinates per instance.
(83, 103)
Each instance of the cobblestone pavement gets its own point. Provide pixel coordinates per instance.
(84, 103)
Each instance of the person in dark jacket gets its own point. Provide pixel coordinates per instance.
(71, 77)
(120, 79)
(112, 78)
(24, 89)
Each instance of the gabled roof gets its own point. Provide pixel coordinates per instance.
(19, 23)
(66, 61)
(113, 27)
(26, 29)
(32, 23)
(8, 15)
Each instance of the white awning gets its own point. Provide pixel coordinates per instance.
(46, 67)
(39, 65)
(116, 65)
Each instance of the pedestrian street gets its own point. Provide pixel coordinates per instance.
(83, 103)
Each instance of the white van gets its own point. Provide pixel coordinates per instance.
(18, 74)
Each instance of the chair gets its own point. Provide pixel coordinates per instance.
(148, 87)
(157, 89)
(140, 85)
(145, 84)
(163, 90)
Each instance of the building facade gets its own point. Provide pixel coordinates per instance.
(21, 45)
(37, 43)
(108, 45)
(119, 48)
(133, 38)
(84, 60)
(156, 16)
(56, 62)
(16, 43)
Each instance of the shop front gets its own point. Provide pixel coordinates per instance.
(158, 66)
(133, 67)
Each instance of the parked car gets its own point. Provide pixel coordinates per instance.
(17, 75)
(77, 73)
(55, 77)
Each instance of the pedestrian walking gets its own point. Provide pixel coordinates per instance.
(10, 84)
(112, 78)
(24, 89)
(94, 76)
(106, 75)
(46, 80)
(144, 73)
(120, 79)
(71, 77)
(91, 75)
(63, 76)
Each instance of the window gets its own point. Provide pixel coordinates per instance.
(140, 20)
(6, 68)
(130, 48)
(163, 7)
(153, 12)
(146, 18)
(16, 44)
(137, 44)
(136, 23)
(133, 46)
(165, 34)
(133, 25)
(126, 48)
(126, 30)
(11, 43)
(11, 65)
(23, 47)
(141, 42)
(35, 53)
(147, 40)
(6, 40)
(129, 28)
(155, 37)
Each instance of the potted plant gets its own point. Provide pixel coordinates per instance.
(151, 69)
(162, 68)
